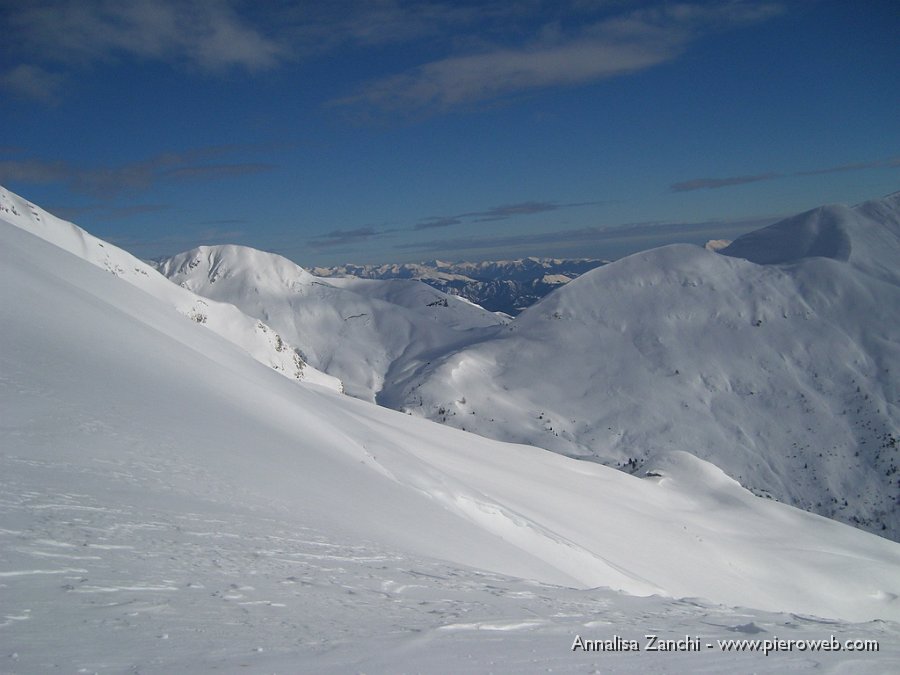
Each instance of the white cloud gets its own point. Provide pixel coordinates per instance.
(206, 34)
(31, 82)
(469, 78)
(615, 46)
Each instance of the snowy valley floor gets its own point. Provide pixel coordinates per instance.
(94, 585)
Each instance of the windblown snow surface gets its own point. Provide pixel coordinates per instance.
(169, 504)
(778, 361)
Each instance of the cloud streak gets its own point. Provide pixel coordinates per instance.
(31, 82)
(110, 182)
(348, 238)
(317, 28)
(207, 35)
(891, 163)
(555, 57)
(438, 221)
(487, 50)
(716, 183)
(465, 79)
(624, 238)
(337, 238)
(497, 213)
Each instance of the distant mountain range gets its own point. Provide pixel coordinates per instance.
(507, 286)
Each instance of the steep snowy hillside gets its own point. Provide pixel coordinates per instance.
(364, 332)
(506, 286)
(255, 337)
(778, 362)
(171, 505)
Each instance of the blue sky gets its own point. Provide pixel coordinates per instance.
(395, 131)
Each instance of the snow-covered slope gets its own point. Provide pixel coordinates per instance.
(364, 332)
(778, 362)
(170, 504)
(254, 336)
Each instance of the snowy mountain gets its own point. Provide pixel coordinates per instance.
(776, 361)
(253, 336)
(172, 505)
(506, 286)
(364, 332)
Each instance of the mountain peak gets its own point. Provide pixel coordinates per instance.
(821, 232)
(251, 335)
(863, 235)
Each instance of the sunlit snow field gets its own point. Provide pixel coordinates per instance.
(170, 504)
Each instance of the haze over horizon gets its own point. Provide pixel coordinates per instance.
(397, 131)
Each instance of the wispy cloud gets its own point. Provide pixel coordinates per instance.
(109, 182)
(891, 163)
(465, 79)
(27, 81)
(345, 238)
(604, 241)
(486, 50)
(715, 183)
(553, 56)
(522, 209)
(337, 238)
(437, 221)
(497, 213)
(324, 26)
(206, 35)
(54, 39)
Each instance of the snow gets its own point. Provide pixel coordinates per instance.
(506, 286)
(169, 504)
(716, 244)
(822, 232)
(776, 362)
(361, 331)
(253, 336)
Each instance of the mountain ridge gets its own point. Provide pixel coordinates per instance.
(253, 336)
(682, 347)
(506, 286)
(674, 348)
(171, 504)
(232, 429)
(365, 332)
